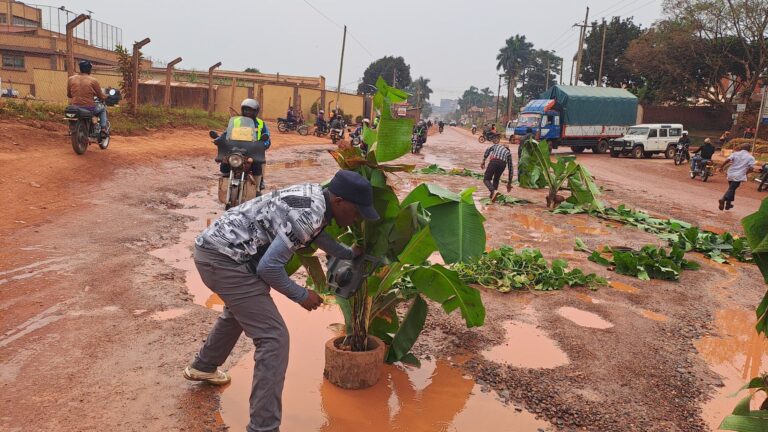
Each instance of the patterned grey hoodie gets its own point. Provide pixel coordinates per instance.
(295, 214)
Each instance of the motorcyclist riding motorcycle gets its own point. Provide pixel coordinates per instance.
(420, 133)
(248, 108)
(336, 127)
(440, 126)
(489, 131)
(474, 128)
(320, 122)
(81, 91)
(702, 154)
(290, 116)
(682, 149)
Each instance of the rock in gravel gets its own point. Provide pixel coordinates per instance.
(33, 184)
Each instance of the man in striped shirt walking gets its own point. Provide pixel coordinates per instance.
(501, 158)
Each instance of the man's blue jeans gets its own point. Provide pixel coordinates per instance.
(101, 111)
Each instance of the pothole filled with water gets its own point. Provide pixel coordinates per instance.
(583, 318)
(527, 346)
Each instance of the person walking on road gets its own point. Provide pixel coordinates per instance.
(243, 254)
(741, 162)
(501, 158)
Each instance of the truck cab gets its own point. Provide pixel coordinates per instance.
(542, 118)
(646, 140)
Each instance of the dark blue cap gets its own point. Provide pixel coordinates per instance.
(352, 187)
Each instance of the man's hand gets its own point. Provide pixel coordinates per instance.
(358, 250)
(482, 165)
(312, 302)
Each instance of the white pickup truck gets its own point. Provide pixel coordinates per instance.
(646, 140)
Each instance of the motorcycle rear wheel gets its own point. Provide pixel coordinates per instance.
(80, 138)
(303, 130)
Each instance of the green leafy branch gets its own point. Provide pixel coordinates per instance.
(650, 262)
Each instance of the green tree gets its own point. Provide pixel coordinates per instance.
(618, 35)
(388, 67)
(252, 70)
(419, 87)
(513, 57)
(540, 74)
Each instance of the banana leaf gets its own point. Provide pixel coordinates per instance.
(409, 330)
(445, 287)
(457, 228)
(756, 230)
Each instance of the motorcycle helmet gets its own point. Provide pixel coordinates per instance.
(250, 108)
(322, 112)
(85, 66)
(366, 121)
(707, 141)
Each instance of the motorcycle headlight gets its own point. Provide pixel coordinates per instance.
(235, 160)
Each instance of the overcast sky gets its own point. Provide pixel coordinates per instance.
(452, 42)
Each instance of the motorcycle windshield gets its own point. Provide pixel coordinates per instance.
(252, 149)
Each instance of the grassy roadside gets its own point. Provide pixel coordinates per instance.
(148, 117)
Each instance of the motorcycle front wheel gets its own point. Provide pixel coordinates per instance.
(481, 139)
(303, 130)
(80, 138)
(282, 127)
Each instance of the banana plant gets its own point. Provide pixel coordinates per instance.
(430, 219)
(537, 170)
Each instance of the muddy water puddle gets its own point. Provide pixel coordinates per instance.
(435, 397)
(199, 206)
(620, 286)
(584, 318)
(534, 223)
(654, 316)
(737, 353)
(527, 346)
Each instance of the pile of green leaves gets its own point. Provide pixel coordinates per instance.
(650, 262)
(462, 172)
(507, 200)
(504, 269)
(717, 247)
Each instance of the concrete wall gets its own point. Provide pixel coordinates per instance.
(308, 97)
(351, 104)
(275, 100)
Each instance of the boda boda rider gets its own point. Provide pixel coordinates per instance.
(248, 108)
(320, 121)
(82, 88)
(243, 254)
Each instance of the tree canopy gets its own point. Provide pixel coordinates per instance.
(388, 67)
(618, 35)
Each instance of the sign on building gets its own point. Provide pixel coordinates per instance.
(741, 108)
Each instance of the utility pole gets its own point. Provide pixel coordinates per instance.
(602, 56)
(168, 77)
(573, 61)
(341, 67)
(760, 113)
(562, 67)
(498, 99)
(546, 79)
(70, 40)
(581, 48)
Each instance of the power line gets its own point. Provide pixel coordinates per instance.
(329, 19)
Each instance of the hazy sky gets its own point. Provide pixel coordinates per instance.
(452, 42)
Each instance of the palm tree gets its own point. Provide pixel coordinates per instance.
(420, 86)
(513, 57)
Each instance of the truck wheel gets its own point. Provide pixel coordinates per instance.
(670, 153)
(577, 149)
(615, 154)
(638, 152)
(601, 147)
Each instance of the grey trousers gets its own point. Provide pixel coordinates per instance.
(250, 309)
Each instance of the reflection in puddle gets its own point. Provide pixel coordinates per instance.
(737, 354)
(527, 346)
(179, 255)
(651, 315)
(582, 225)
(294, 164)
(435, 397)
(584, 297)
(169, 314)
(620, 286)
(584, 318)
(534, 223)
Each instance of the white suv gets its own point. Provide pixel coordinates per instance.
(646, 140)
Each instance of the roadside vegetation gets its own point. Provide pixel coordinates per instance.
(650, 262)
(147, 117)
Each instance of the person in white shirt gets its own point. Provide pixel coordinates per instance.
(739, 164)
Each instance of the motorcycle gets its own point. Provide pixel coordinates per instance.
(681, 154)
(337, 134)
(440, 128)
(416, 144)
(488, 136)
(704, 168)
(763, 179)
(474, 130)
(284, 126)
(84, 127)
(241, 185)
(320, 131)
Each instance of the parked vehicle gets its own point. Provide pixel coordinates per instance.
(241, 185)
(320, 132)
(704, 169)
(84, 127)
(285, 126)
(646, 140)
(487, 136)
(452, 123)
(579, 117)
(763, 179)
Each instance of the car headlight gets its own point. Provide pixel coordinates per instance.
(235, 160)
